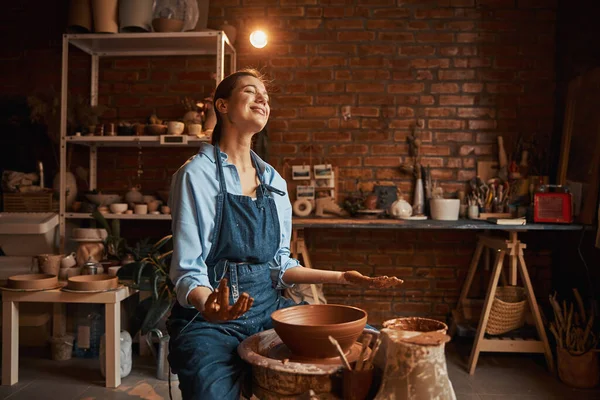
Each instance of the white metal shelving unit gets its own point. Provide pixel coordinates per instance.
(202, 43)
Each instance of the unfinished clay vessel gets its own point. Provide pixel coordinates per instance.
(416, 324)
(88, 283)
(33, 281)
(305, 329)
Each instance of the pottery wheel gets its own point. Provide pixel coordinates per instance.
(281, 352)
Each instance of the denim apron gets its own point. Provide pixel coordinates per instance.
(246, 238)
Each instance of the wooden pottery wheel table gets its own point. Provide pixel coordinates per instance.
(277, 374)
(10, 326)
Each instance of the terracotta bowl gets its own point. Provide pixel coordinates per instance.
(305, 329)
(86, 283)
(33, 281)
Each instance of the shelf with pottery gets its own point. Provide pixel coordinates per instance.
(198, 43)
(134, 141)
(205, 42)
(165, 217)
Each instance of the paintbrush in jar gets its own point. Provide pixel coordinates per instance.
(369, 361)
(342, 355)
(361, 358)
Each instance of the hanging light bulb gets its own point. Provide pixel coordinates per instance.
(258, 39)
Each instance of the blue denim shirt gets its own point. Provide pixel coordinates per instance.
(194, 189)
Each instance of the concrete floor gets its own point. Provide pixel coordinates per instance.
(498, 377)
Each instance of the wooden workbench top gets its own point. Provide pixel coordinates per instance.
(467, 224)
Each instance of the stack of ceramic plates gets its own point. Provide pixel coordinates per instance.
(89, 235)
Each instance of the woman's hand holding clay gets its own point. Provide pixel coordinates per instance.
(378, 282)
(217, 308)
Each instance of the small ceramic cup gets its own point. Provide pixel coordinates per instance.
(165, 210)
(68, 261)
(473, 212)
(140, 209)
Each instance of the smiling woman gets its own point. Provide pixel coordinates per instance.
(232, 222)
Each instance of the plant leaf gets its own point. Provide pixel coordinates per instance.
(158, 310)
(102, 221)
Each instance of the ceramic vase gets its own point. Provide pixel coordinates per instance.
(70, 187)
(174, 15)
(133, 196)
(105, 16)
(230, 31)
(126, 354)
(135, 15)
(80, 16)
(419, 200)
(202, 22)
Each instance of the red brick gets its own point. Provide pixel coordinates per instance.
(435, 150)
(372, 50)
(430, 63)
(475, 112)
(457, 100)
(466, 175)
(405, 88)
(482, 124)
(283, 100)
(434, 13)
(397, 37)
(365, 87)
(313, 75)
(355, 36)
(354, 149)
(389, 149)
(416, 50)
(444, 88)
(475, 37)
(453, 137)
(418, 25)
(435, 37)
(307, 23)
(503, 88)
(472, 87)
(439, 112)
(285, 11)
(384, 24)
(445, 124)
(410, 309)
(396, 12)
(327, 61)
(381, 161)
(424, 75)
(432, 161)
(456, 75)
(330, 87)
(307, 124)
(478, 150)
(318, 112)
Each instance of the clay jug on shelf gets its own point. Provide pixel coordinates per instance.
(230, 31)
(135, 15)
(134, 196)
(80, 17)
(105, 16)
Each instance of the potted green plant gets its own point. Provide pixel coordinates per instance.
(150, 273)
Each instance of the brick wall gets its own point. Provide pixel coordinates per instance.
(468, 70)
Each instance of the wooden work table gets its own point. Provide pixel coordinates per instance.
(468, 224)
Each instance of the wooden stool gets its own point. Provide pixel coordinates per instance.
(298, 246)
(514, 249)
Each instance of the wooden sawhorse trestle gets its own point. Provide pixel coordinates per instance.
(514, 249)
(298, 246)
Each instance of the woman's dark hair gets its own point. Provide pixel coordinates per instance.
(223, 91)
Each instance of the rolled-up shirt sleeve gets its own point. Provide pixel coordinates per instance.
(283, 260)
(188, 269)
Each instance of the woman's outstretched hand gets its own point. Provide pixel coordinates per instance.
(217, 308)
(378, 282)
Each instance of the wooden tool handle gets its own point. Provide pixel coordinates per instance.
(342, 355)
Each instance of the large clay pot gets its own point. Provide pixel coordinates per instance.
(134, 196)
(105, 16)
(174, 15)
(135, 15)
(80, 16)
(70, 187)
(580, 371)
(230, 31)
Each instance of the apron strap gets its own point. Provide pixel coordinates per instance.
(262, 178)
(220, 175)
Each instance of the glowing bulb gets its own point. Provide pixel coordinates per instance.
(258, 39)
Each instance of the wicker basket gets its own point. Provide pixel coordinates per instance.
(508, 310)
(28, 202)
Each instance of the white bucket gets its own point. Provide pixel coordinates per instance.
(444, 209)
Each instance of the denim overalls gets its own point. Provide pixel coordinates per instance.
(204, 354)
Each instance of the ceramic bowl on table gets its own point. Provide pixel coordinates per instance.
(118, 208)
(103, 199)
(32, 281)
(85, 283)
(305, 329)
